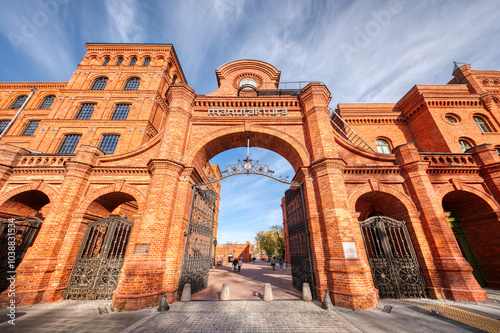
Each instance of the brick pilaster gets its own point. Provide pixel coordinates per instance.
(458, 282)
(489, 161)
(9, 156)
(348, 279)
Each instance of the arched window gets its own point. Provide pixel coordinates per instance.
(146, 62)
(464, 144)
(99, 83)
(383, 146)
(106, 61)
(47, 102)
(483, 124)
(132, 61)
(18, 102)
(119, 61)
(132, 83)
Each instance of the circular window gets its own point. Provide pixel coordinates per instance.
(451, 118)
(248, 81)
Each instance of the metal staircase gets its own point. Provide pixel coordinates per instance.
(346, 131)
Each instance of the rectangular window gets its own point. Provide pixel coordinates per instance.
(3, 125)
(69, 144)
(121, 112)
(85, 111)
(31, 127)
(108, 144)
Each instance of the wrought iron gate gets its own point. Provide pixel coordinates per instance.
(298, 235)
(198, 247)
(24, 230)
(97, 268)
(395, 269)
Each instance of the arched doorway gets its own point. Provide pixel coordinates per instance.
(389, 249)
(97, 268)
(21, 217)
(197, 251)
(476, 227)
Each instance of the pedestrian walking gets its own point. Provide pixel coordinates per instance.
(253, 260)
(240, 263)
(235, 264)
(273, 263)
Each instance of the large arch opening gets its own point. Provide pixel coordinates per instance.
(100, 244)
(476, 227)
(392, 248)
(248, 204)
(28, 203)
(21, 216)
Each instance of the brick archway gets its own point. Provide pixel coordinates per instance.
(444, 190)
(116, 188)
(403, 198)
(475, 221)
(224, 139)
(46, 189)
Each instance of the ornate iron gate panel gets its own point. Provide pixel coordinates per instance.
(198, 247)
(19, 234)
(395, 269)
(298, 235)
(97, 268)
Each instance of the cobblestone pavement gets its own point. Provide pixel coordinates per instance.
(244, 316)
(251, 279)
(406, 315)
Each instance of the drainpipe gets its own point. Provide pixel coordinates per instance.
(33, 90)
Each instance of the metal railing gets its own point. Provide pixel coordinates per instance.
(283, 88)
(346, 131)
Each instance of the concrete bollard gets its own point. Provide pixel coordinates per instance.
(306, 292)
(327, 302)
(268, 292)
(163, 307)
(186, 293)
(224, 294)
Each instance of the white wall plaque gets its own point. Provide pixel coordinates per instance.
(350, 251)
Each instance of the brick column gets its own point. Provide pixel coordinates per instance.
(456, 273)
(332, 227)
(489, 161)
(9, 156)
(40, 261)
(144, 277)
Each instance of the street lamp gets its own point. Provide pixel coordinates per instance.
(215, 248)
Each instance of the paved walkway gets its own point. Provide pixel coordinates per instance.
(250, 279)
(250, 314)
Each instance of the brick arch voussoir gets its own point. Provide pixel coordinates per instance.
(357, 193)
(49, 190)
(444, 190)
(296, 145)
(135, 193)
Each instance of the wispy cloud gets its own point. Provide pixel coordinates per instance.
(125, 25)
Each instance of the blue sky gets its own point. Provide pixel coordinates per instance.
(364, 51)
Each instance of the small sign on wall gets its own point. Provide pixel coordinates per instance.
(141, 248)
(350, 251)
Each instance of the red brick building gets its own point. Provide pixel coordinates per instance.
(227, 252)
(114, 164)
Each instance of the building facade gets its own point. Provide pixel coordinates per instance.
(226, 253)
(123, 149)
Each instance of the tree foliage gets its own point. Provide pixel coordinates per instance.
(271, 241)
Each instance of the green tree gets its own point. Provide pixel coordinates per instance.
(279, 234)
(266, 241)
